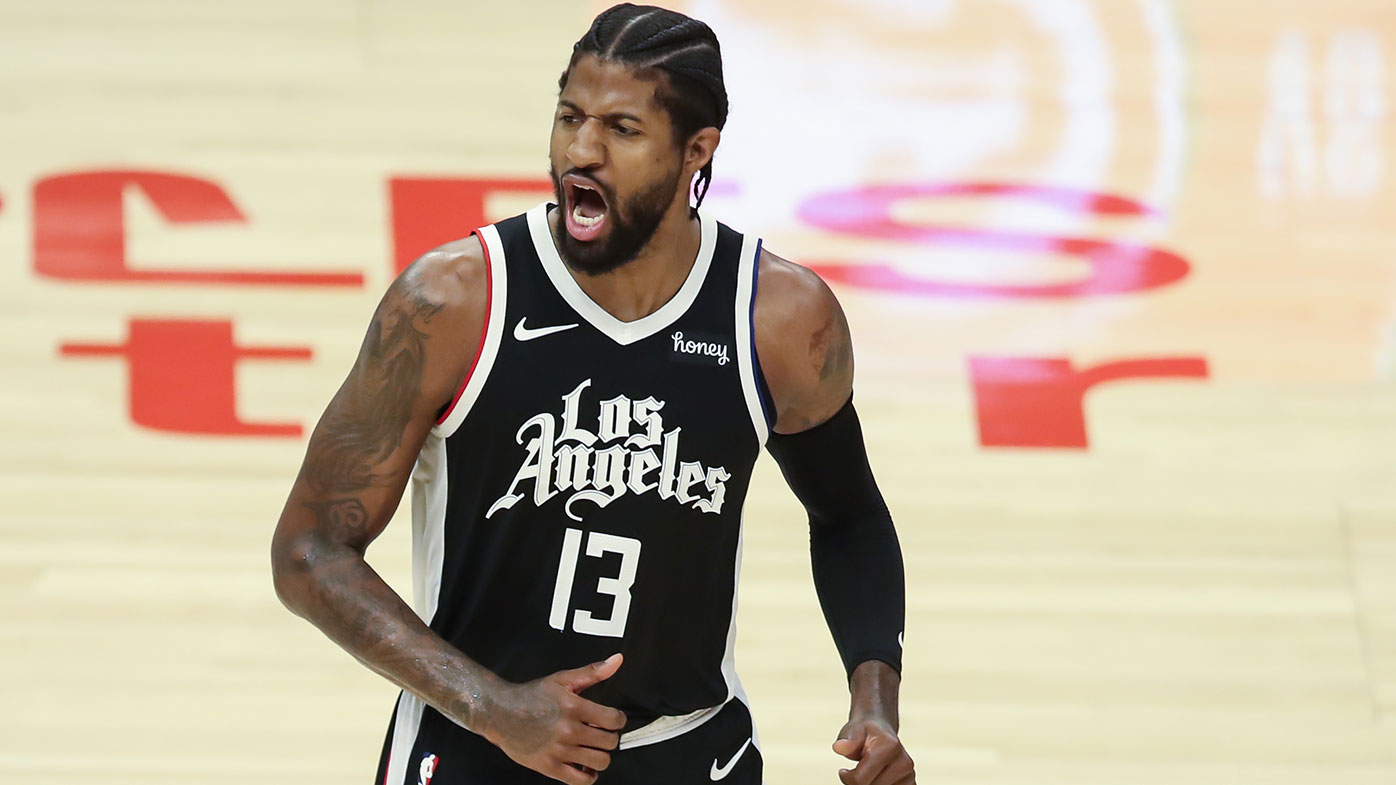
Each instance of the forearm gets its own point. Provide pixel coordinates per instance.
(860, 580)
(332, 587)
(873, 692)
(854, 553)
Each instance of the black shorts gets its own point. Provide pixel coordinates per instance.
(723, 749)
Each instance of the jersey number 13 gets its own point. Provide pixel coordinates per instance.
(597, 543)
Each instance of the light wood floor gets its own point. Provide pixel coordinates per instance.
(1205, 594)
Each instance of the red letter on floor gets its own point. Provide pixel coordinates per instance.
(182, 376)
(430, 211)
(1116, 267)
(1037, 401)
(80, 231)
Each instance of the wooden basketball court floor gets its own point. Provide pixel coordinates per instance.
(1122, 281)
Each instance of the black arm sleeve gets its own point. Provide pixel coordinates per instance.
(854, 552)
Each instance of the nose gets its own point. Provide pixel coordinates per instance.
(586, 150)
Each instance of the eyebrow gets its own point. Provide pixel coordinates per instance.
(612, 116)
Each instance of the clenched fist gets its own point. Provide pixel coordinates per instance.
(882, 760)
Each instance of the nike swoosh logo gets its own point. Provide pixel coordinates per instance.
(522, 333)
(721, 773)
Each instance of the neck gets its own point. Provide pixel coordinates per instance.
(641, 286)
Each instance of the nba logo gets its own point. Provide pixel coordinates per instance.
(428, 769)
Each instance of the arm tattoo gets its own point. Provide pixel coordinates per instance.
(363, 426)
(831, 348)
(374, 406)
(344, 520)
(369, 414)
(352, 605)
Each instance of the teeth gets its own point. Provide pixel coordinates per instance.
(583, 220)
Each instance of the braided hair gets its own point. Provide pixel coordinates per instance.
(684, 49)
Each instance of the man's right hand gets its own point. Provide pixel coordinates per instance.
(546, 726)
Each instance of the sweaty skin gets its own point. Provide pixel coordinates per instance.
(362, 451)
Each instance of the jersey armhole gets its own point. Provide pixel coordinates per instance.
(748, 366)
(488, 347)
(763, 392)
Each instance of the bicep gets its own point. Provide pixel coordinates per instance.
(362, 450)
(804, 346)
(829, 383)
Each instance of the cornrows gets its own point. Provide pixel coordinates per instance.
(685, 49)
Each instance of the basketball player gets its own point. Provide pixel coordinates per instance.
(578, 395)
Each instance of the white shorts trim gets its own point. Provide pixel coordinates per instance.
(666, 728)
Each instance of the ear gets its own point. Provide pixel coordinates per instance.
(699, 150)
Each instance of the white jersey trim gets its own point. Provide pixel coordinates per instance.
(429, 489)
(747, 267)
(405, 728)
(494, 333)
(428, 550)
(623, 333)
(729, 658)
(729, 655)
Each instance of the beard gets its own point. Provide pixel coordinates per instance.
(632, 224)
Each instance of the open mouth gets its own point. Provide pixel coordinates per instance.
(585, 211)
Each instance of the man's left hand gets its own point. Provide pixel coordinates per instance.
(882, 760)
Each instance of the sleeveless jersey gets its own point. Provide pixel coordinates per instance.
(583, 494)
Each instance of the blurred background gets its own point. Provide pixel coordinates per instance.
(1121, 276)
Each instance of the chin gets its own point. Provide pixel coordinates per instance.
(593, 257)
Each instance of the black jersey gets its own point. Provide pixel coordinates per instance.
(583, 495)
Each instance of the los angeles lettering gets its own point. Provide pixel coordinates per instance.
(630, 452)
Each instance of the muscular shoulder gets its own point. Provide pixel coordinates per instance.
(802, 342)
(453, 274)
(442, 299)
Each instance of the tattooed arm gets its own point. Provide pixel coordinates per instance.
(357, 464)
(356, 467)
(806, 355)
